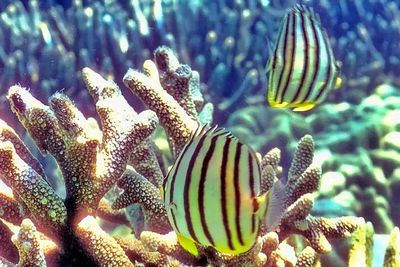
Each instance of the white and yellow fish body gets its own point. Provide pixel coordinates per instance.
(302, 68)
(211, 193)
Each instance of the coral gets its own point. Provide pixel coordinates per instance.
(90, 160)
(367, 248)
(303, 180)
(173, 117)
(7, 249)
(103, 248)
(356, 145)
(114, 168)
(362, 246)
(392, 255)
(138, 189)
(111, 36)
(28, 243)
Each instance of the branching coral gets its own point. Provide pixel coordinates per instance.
(121, 155)
(362, 250)
(303, 180)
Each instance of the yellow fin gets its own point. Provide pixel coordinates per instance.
(278, 105)
(262, 203)
(188, 245)
(338, 83)
(305, 107)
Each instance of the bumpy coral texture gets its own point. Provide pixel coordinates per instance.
(112, 168)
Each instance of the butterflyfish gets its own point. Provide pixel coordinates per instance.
(302, 68)
(212, 193)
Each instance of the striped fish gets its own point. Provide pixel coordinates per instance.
(302, 68)
(212, 193)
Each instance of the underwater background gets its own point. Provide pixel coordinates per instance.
(44, 46)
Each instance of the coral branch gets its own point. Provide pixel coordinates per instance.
(8, 134)
(137, 252)
(27, 241)
(45, 205)
(173, 117)
(176, 79)
(138, 189)
(307, 258)
(103, 248)
(10, 209)
(7, 248)
(303, 180)
(392, 255)
(105, 211)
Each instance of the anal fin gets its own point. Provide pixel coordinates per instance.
(188, 245)
(305, 107)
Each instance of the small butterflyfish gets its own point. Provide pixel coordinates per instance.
(302, 68)
(212, 194)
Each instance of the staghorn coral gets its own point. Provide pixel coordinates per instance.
(392, 255)
(365, 244)
(356, 145)
(90, 160)
(28, 243)
(303, 180)
(95, 159)
(225, 41)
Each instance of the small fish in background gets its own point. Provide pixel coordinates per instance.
(302, 69)
(212, 194)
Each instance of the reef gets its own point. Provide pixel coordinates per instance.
(48, 44)
(112, 164)
(357, 146)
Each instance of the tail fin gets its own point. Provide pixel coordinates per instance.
(276, 206)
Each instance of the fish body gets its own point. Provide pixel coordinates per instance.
(302, 68)
(211, 193)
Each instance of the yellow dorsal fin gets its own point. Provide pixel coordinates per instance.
(188, 245)
(305, 107)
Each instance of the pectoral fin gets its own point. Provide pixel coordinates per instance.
(261, 203)
(275, 206)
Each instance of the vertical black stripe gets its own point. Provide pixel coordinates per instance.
(329, 70)
(252, 194)
(316, 60)
(306, 51)
(203, 174)
(237, 192)
(273, 65)
(175, 173)
(188, 179)
(291, 58)
(225, 154)
(172, 190)
(178, 165)
(283, 57)
(174, 219)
